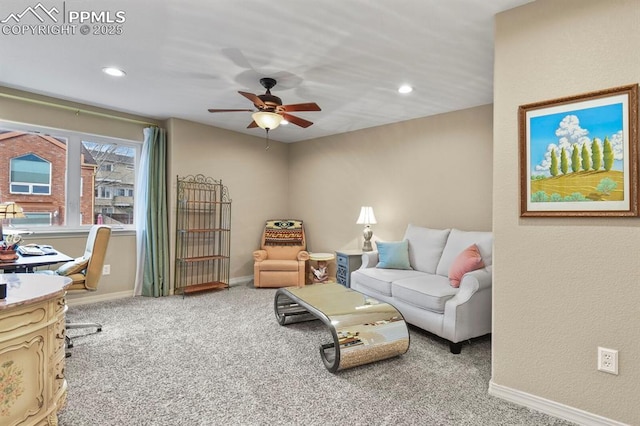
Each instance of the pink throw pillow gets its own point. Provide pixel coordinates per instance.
(467, 261)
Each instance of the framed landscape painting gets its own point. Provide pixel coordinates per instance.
(579, 155)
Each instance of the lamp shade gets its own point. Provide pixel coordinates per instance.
(10, 210)
(267, 120)
(366, 216)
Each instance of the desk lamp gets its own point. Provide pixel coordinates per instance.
(367, 218)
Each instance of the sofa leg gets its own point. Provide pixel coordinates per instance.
(455, 348)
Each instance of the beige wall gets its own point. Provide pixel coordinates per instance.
(256, 179)
(563, 287)
(433, 172)
(121, 256)
(402, 170)
(21, 111)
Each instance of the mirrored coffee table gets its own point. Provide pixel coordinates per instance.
(364, 329)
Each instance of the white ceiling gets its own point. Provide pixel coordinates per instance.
(183, 57)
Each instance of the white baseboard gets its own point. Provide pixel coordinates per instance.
(84, 299)
(550, 407)
(240, 281)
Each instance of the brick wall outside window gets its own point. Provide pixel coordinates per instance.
(16, 144)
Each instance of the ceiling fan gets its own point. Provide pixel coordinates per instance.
(271, 112)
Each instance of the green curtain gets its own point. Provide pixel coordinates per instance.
(155, 279)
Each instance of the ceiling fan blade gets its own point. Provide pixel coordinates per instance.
(297, 120)
(229, 110)
(252, 125)
(253, 98)
(309, 106)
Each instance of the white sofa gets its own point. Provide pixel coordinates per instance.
(424, 294)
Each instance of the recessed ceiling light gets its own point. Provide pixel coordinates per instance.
(112, 71)
(284, 122)
(405, 88)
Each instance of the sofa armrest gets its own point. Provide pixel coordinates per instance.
(303, 255)
(260, 255)
(369, 259)
(472, 282)
(468, 313)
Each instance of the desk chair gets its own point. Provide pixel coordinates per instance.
(86, 271)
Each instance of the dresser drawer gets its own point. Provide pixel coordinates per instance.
(22, 321)
(347, 261)
(58, 339)
(59, 305)
(59, 383)
(341, 272)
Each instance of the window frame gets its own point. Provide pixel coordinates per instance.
(73, 178)
(28, 184)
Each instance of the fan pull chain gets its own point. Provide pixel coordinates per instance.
(266, 147)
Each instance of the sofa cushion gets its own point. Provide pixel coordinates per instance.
(425, 247)
(467, 261)
(458, 241)
(279, 265)
(379, 280)
(393, 255)
(429, 292)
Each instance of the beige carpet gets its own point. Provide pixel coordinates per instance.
(222, 359)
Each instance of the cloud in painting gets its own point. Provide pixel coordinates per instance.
(569, 133)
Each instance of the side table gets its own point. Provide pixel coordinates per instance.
(321, 273)
(348, 261)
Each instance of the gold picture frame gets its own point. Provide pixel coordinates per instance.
(579, 155)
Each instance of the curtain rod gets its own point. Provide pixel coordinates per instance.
(76, 110)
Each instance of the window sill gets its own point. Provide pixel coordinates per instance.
(74, 232)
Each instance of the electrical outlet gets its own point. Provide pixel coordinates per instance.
(106, 269)
(608, 360)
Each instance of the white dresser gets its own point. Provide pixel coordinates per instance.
(32, 349)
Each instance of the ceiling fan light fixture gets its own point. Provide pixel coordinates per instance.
(267, 120)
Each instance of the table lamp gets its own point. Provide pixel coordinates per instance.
(9, 210)
(367, 218)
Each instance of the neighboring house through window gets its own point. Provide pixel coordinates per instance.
(66, 179)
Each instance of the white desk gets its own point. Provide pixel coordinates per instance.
(32, 349)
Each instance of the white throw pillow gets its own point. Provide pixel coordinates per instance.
(425, 247)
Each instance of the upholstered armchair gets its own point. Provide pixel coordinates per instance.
(282, 257)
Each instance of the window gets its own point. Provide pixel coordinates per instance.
(30, 174)
(103, 192)
(34, 219)
(65, 178)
